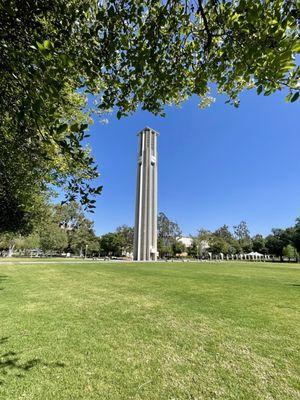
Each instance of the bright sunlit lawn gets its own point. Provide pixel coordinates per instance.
(149, 331)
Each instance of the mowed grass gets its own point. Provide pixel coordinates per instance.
(149, 331)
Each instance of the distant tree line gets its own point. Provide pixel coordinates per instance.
(65, 228)
(280, 243)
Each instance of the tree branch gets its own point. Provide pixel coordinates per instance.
(203, 15)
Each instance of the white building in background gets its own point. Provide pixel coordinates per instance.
(187, 241)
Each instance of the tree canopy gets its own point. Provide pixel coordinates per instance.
(168, 232)
(281, 242)
(289, 251)
(127, 54)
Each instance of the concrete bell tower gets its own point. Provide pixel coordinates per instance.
(145, 232)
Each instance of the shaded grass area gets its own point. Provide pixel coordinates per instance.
(149, 331)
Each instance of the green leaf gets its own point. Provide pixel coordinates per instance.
(268, 92)
(288, 97)
(40, 46)
(296, 47)
(295, 97)
(62, 128)
(64, 59)
(259, 89)
(70, 62)
(48, 45)
(74, 127)
(83, 127)
(288, 66)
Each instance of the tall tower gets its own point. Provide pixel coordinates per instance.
(145, 231)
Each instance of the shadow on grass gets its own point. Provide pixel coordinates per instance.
(3, 279)
(11, 365)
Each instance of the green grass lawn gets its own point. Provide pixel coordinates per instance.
(149, 331)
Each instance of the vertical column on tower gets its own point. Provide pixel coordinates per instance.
(145, 232)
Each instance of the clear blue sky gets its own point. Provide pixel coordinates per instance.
(216, 166)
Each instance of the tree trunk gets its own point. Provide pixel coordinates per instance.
(10, 250)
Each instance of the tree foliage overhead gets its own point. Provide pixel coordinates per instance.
(128, 53)
(42, 111)
(168, 50)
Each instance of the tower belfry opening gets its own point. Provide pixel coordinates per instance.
(145, 232)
